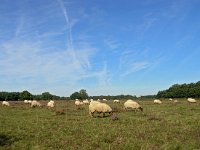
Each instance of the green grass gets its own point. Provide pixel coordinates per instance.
(166, 126)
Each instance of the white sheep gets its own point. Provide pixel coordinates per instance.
(116, 101)
(35, 103)
(26, 101)
(157, 101)
(50, 104)
(86, 101)
(5, 103)
(175, 101)
(99, 107)
(191, 100)
(170, 99)
(104, 99)
(29, 101)
(133, 105)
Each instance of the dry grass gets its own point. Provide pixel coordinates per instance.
(165, 126)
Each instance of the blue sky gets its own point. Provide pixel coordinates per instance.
(106, 47)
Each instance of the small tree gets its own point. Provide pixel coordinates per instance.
(47, 96)
(25, 95)
(82, 94)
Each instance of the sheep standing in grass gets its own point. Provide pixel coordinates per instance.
(170, 99)
(50, 104)
(86, 101)
(26, 101)
(104, 100)
(98, 107)
(157, 101)
(191, 100)
(116, 101)
(29, 101)
(133, 105)
(35, 103)
(5, 103)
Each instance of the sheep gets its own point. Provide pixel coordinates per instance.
(5, 103)
(170, 99)
(26, 101)
(132, 104)
(50, 104)
(116, 101)
(175, 101)
(86, 101)
(35, 103)
(104, 99)
(191, 100)
(157, 101)
(77, 102)
(29, 101)
(99, 107)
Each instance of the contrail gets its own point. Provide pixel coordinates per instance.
(64, 10)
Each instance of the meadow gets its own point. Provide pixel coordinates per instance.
(167, 126)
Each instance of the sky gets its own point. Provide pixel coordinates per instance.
(105, 47)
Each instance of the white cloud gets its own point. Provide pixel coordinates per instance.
(134, 67)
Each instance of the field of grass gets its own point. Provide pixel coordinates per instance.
(166, 126)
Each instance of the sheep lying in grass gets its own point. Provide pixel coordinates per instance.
(133, 105)
(99, 107)
(116, 101)
(191, 100)
(29, 101)
(35, 103)
(5, 103)
(157, 101)
(50, 104)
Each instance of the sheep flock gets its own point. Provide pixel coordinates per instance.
(100, 106)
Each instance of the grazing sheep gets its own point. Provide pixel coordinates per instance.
(116, 101)
(35, 103)
(157, 101)
(175, 101)
(5, 103)
(30, 101)
(132, 104)
(98, 100)
(98, 107)
(50, 104)
(191, 100)
(86, 101)
(26, 101)
(104, 99)
(170, 99)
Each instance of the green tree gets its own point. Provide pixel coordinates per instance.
(25, 95)
(47, 96)
(82, 94)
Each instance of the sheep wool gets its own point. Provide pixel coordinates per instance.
(132, 104)
(116, 101)
(35, 103)
(98, 107)
(157, 101)
(50, 104)
(191, 100)
(5, 103)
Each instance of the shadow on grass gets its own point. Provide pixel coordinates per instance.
(6, 140)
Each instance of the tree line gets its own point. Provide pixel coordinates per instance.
(181, 91)
(175, 91)
(26, 95)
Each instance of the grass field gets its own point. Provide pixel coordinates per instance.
(166, 126)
